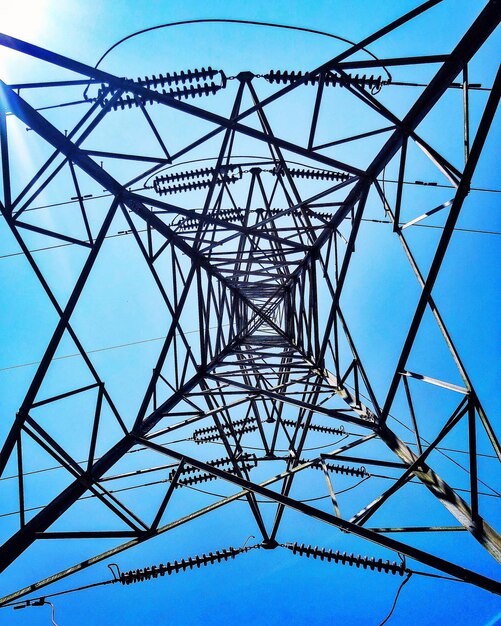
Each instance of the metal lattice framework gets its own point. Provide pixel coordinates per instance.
(261, 264)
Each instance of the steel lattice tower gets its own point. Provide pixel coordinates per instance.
(257, 252)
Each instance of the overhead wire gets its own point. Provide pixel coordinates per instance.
(218, 495)
(184, 564)
(266, 159)
(364, 219)
(59, 105)
(303, 500)
(163, 481)
(143, 448)
(108, 348)
(232, 21)
(403, 583)
(157, 339)
(246, 447)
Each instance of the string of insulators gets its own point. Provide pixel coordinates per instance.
(232, 215)
(192, 185)
(329, 80)
(211, 433)
(388, 567)
(186, 175)
(222, 462)
(147, 573)
(228, 215)
(332, 430)
(321, 214)
(203, 477)
(311, 173)
(297, 213)
(196, 185)
(245, 461)
(203, 89)
(348, 470)
(190, 175)
(174, 78)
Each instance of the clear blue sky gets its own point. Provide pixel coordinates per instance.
(120, 305)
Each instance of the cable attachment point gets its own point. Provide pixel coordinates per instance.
(269, 544)
(115, 570)
(38, 602)
(249, 537)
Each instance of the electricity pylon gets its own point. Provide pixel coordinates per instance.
(257, 252)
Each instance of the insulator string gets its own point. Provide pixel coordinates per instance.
(211, 433)
(365, 562)
(129, 102)
(175, 567)
(221, 179)
(347, 470)
(312, 173)
(316, 427)
(374, 83)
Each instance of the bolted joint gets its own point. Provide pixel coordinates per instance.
(269, 544)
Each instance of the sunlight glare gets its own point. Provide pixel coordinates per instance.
(23, 18)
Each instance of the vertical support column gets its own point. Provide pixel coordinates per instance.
(466, 115)
(5, 161)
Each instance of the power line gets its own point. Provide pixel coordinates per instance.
(254, 448)
(106, 349)
(218, 495)
(365, 219)
(457, 229)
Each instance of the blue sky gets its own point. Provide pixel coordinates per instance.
(120, 305)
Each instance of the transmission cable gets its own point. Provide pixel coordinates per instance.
(218, 495)
(364, 219)
(404, 582)
(232, 21)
